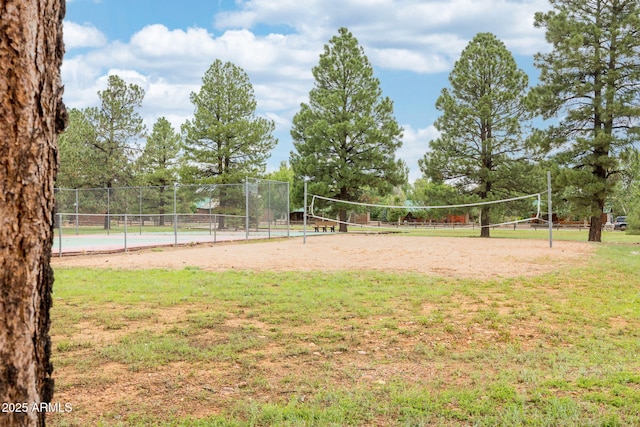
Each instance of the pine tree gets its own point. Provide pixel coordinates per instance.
(346, 137)
(590, 81)
(158, 164)
(225, 142)
(117, 126)
(480, 149)
(75, 152)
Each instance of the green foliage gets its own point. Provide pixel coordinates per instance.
(75, 152)
(590, 80)
(480, 150)
(346, 137)
(396, 198)
(428, 193)
(117, 127)
(99, 144)
(225, 141)
(625, 197)
(283, 174)
(159, 161)
(633, 219)
(283, 198)
(158, 166)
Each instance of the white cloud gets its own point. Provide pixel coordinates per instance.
(415, 143)
(78, 36)
(174, 61)
(404, 59)
(157, 41)
(415, 36)
(398, 23)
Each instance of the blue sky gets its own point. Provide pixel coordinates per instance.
(165, 46)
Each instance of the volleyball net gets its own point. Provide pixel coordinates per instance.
(504, 212)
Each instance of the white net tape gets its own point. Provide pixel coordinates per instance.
(466, 205)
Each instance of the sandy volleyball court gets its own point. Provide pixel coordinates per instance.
(442, 256)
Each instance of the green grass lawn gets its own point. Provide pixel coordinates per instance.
(195, 348)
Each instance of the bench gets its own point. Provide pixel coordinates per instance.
(324, 225)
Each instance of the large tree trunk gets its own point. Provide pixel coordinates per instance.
(161, 207)
(485, 220)
(600, 173)
(342, 211)
(595, 228)
(32, 114)
(342, 216)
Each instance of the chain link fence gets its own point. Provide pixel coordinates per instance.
(119, 218)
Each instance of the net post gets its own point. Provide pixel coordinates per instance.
(549, 209)
(304, 214)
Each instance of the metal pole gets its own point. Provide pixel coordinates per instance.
(246, 197)
(304, 215)
(550, 210)
(77, 211)
(210, 203)
(269, 208)
(141, 219)
(288, 214)
(108, 211)
(60, 235)
(175, 214)
(125, 232)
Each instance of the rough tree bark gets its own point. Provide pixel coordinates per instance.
(31, 116)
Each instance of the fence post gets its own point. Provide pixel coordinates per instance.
(288, 213)
(108, 211)
(269, 209)
(77, 211)
(246, 202)
(550, 210)
(210, 203)
(60, 234)
(140, 205)
(175, 214)
(125, 232)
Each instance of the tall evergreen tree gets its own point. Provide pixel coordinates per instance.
(590, 80)
(117, 127)
(346, 137)
(75, 153)
(480, 149)
(225, 141)
(158, 164)
(98, 146)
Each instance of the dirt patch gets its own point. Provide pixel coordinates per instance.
(441, 256)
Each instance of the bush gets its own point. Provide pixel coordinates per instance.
(633, 220)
